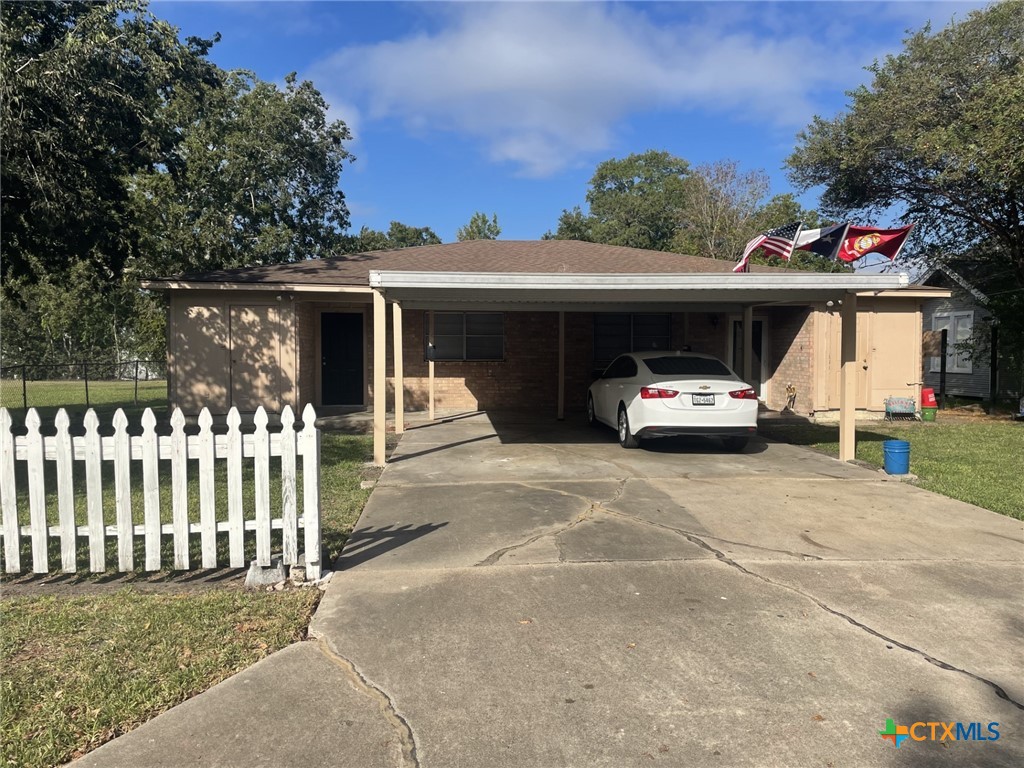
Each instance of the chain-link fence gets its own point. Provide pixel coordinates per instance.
(88, 384)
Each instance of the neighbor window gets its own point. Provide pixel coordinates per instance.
(960, 329)
(466, 335)
(617, 333)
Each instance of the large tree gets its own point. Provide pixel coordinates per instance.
(635, 201)
(938, 138)
(127, 154)
(479, 227)
(721, 203)
(399, 235)
(252, 180)
(82, 98)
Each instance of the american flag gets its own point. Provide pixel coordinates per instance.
(778, 241)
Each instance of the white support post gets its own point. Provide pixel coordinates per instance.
(561, 366)
(396, 322)
(748, 344)
(430, 365)
(380, 400)
(848, 380)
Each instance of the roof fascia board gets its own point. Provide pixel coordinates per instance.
(487, 305)
(199, 285)
(758, 282)
(913, 292)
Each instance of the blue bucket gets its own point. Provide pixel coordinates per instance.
(896, 457)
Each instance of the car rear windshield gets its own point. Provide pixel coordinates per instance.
(686, 366)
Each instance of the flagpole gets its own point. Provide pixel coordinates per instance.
(842, 240)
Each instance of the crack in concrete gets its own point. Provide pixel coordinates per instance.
(801, 555)
(722, 557)
(403, 730)
(495, 556)
(635, 518)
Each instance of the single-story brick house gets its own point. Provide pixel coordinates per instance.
(524, 324)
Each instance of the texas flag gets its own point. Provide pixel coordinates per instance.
(863, 240)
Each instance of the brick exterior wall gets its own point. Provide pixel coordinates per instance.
(791, 357)
(706, 332)
(528, 377)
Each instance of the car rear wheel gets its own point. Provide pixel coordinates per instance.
(626, 438)
(735, 444)
(591, 415)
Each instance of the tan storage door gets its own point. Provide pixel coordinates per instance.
(895, 362)
(255, 357)
(200, 351)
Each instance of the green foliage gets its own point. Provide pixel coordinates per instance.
(252, 180)
(939, 136)
(127, 154)
(654, 200)
(573, 225)
(80, 314)
(399, 235)
(479, 227)
(635, 202)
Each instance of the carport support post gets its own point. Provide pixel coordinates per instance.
(430, 364)
(848, 380)
(380, 397)
(561, 366)
(748, 344)
(396, 322)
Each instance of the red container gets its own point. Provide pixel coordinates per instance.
(928, 398)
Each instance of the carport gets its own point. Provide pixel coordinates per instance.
(579, 292)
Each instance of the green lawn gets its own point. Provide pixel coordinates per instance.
(78, 672)
(977, 461)
(105, 396)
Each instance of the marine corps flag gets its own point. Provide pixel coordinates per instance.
(863, 240)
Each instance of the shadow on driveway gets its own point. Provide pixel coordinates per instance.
(367, 543)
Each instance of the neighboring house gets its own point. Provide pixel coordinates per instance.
(525, 324)
(969, 369)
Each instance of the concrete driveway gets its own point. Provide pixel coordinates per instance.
(530, 594)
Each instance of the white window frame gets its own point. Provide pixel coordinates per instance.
(957, 361)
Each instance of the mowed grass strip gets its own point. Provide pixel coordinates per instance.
(104, 396)
(980, 462)
(79, 671)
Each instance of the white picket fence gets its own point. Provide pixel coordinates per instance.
(150, 449)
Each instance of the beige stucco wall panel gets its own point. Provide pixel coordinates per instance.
(888, 353)
(199, 350)
(232, 349)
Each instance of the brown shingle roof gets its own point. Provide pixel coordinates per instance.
(569, 256)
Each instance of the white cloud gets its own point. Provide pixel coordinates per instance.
(539, 85)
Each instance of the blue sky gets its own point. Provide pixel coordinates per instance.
(508, 107)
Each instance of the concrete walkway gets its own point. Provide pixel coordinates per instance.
(530, 594)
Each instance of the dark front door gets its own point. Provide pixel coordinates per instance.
(341, 358)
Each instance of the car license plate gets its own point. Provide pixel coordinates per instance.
(703, 399)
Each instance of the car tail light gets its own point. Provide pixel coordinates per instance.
(654, 393)
(743, 394)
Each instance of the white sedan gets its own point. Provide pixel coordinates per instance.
(658, 394)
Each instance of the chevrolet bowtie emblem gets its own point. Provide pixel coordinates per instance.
(704, 386)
